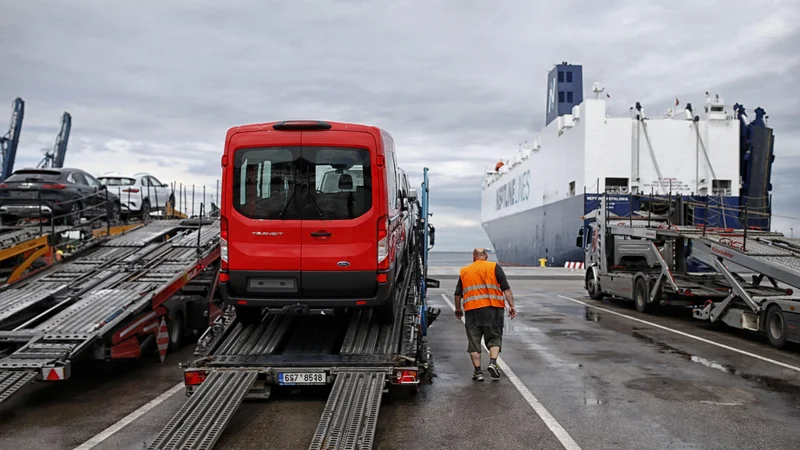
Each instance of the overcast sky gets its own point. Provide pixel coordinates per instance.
(456, 82)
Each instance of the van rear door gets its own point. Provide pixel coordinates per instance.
(339, 230)
(264, 249)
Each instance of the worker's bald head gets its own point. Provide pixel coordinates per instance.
(479, 253)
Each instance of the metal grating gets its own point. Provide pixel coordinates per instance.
(201, 420)
(13, 301)
(351, 413)
(87, 315)
(12, 381)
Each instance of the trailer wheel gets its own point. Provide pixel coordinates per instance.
(640, 295)
(177, 331)
(776, 327)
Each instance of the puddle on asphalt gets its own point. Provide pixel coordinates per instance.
(590, 314)
(769, 383)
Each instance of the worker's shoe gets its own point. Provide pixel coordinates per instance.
(494, 371)
(477, 376)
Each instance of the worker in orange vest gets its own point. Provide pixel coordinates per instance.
(484, 289)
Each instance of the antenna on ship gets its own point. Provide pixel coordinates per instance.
(598, 89)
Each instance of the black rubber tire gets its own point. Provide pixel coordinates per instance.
(115, 213)
(248, 315)
(640, 295)
(592, 287)
(74, 217)
(384, 313)
(144, 211)
(776, 326)
(177, 332)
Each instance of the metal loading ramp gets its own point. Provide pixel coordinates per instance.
(772, 255)
(11, 381)
(76, 306)
(351, 413)
(201, 420)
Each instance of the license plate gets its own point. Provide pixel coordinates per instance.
(288, 378)
(23, 194)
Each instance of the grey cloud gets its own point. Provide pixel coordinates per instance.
(450, 83)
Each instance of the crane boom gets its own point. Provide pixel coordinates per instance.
(62, 140)
(9, 142)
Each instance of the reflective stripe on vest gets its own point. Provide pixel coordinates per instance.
(480, 288)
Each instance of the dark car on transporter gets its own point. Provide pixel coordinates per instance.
(63, 194)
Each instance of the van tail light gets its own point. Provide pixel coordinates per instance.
(383, 242)
(131, 191)
(53, 186)
(3, 186)
(223, 242)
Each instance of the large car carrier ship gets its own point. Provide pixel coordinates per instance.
(709, 164)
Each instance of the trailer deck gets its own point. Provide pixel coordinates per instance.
(99, 302)
(353, 352)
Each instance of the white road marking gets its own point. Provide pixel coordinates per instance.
(691, 336)
(548, 419)
(125, 421)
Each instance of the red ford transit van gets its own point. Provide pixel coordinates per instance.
(311, 215)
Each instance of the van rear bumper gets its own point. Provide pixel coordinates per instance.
(312, 289)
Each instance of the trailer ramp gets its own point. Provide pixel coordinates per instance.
(12, 381)
(201, 420)
(351, 413)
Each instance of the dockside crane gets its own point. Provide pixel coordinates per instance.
(10, 141)
(56, 158)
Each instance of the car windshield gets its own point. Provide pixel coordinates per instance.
(34, 175)
(334, 183)
(117, 181)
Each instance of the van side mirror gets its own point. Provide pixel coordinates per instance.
(579, 242)
(412, 194)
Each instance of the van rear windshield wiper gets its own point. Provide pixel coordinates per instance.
(288, 201)
(311, 197)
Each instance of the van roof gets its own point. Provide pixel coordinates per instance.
(311, 125)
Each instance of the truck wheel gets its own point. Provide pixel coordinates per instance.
(640, 295)
(593, 287)
(248, 315)
(384, 313)
(776, 326)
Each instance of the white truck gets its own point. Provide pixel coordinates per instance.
(654, 263)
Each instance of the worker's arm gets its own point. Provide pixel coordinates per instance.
(506, 287)
(457, 297)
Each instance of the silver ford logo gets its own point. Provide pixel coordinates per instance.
(343, 263)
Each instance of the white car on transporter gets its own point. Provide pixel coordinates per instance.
(139, 193)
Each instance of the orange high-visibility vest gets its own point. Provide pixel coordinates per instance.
(480, 288)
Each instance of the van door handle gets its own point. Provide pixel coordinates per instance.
(320, 233)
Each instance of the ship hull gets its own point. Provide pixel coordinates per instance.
(551, 231)
(547, 231)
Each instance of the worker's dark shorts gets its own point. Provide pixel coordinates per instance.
(492, 336)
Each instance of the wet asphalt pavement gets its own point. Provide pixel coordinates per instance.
(608, 381)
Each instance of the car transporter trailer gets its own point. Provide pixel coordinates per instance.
(623, 259)
(119, 297)
(360, 357)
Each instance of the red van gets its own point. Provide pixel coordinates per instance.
(311, 214)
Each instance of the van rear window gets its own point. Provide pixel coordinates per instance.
(309, 183)
(342, 178)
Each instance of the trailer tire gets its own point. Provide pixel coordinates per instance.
(640, 295)
(177, 331)
(776, 326)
